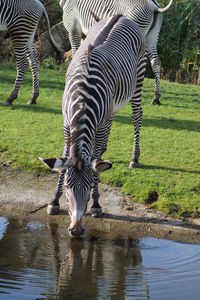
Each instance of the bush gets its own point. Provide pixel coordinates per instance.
(50, 63)
(179, 43)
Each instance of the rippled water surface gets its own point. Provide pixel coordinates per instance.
(41, 262)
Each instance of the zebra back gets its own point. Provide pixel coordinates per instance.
(106, 60)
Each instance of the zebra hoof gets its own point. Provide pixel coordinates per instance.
(52, 209)
(7, 103)
(133, 165)
(96, 212)
(32, 102)
(156, 101)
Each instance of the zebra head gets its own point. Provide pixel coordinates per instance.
(78, 184)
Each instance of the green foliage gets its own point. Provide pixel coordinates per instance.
(179, 43)
(50, 63)
(170, 144)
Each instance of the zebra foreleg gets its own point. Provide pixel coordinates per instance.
(101, 140)
(54, 207)
(96, 210)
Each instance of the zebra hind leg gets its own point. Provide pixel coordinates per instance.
(137, 120)
(101, 140)
(137, 113)
(151, 43)
(22, 64)
(33, 63)
(156, 66)
(156, 70)
(96, 210)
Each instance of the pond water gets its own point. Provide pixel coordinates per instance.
(40, 261)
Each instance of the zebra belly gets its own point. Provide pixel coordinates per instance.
(3, 27)
(118, 106)
(126, 91)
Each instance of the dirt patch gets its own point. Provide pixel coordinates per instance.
(26, 195)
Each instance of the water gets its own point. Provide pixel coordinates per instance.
(41, 262)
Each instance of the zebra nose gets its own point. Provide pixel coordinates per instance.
(76, 232)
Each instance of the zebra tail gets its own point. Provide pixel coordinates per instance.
(53, 43)
(162, 10)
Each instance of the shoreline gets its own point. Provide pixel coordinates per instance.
(25, 195)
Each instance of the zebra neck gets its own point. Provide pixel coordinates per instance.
(82, 144)
(82, 133)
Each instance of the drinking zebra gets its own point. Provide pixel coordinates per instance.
(105, 73)
(21, 18)
(80, 15)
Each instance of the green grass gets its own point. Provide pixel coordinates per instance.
(170, 139)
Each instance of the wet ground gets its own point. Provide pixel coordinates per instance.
(40, 261)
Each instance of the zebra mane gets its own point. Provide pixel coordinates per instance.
(103, 34)
(77, 122)
(77, 162)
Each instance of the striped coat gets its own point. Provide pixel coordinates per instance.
(105, 73)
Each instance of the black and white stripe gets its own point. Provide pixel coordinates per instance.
(80, 15)
(21, 18)
(105, 73)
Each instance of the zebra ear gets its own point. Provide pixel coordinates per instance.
(54, 163)
(101, 165)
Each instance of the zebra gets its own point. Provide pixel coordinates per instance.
(105, 73)
(21, 18)
(80, 15)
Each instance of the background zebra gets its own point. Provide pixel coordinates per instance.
(21, 18)
(80, 15)
(105, 73)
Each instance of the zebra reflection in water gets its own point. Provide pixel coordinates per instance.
(97, 269)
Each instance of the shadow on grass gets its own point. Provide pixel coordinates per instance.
(34, 108)
(177, 94)
(181, 102)
(154, 167)
(180, 106)
(164, 123)
(51, 84)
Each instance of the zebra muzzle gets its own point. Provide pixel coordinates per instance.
(76, 227)
(76, 232)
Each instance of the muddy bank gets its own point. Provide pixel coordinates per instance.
(26, 195)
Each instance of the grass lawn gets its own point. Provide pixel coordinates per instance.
(170, 139)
